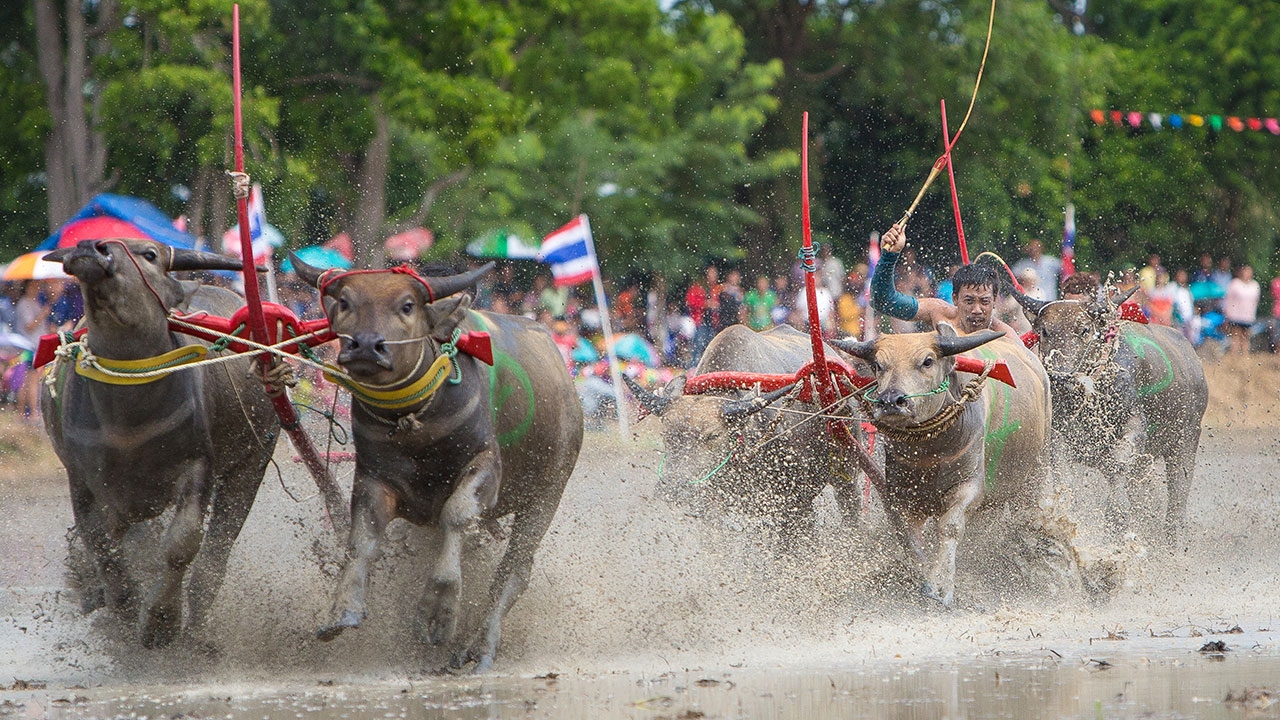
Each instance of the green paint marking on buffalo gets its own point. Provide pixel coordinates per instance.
(506, 379)
(996, 438)
(1140, 345)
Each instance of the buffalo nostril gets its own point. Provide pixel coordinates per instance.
(380, 348)
(900, 401)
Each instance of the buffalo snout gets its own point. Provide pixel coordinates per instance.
(365, 349)
(892, 401)
(89, 261)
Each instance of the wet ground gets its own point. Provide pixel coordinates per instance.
(639, 611)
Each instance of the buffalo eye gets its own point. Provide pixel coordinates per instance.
(928, 362)
(407, 307)
(343, 305)
(149, 255)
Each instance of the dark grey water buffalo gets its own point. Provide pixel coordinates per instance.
(1124, 393)
(716, 444)
(488, 440)
(196, 441)
(946, 453)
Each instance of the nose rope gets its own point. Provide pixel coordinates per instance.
(945, 386)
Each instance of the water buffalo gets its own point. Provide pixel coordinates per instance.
(1124, 393)
(716, 444)
(947, 453)
(447, 438)
(196, 441)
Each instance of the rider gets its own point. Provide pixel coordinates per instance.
(973, 293)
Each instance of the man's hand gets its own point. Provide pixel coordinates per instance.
(894, 239)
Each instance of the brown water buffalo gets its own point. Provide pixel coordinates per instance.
(716, 444)
(196, 441)
(946, 456)
(1124, 394)
(493, 439)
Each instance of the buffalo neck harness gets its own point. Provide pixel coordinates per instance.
(421, 390)
(944, 420)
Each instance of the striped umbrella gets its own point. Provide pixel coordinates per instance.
(33, 266)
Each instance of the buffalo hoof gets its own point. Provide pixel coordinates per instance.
(483, 661)
(933, 593)
(161, 627)
(437, 626)
(348, 619)
(91, 599)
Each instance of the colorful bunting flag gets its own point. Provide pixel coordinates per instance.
(1177, 121)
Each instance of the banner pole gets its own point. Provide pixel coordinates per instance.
(606, 326)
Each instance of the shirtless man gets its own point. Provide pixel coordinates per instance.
(973, 292)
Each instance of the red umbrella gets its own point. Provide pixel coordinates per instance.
(410, 244)
(99, 228)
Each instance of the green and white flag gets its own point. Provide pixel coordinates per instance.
(501, 244)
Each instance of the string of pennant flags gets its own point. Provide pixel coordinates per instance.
(1178, 121)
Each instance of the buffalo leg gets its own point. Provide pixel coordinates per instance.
(162, 612)
(373, 506)
(102, 540)
(226, 518)
(509, 582)
(1179, 469)
(438, 616)
(941, 582)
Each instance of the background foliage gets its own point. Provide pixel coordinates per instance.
(675, 126)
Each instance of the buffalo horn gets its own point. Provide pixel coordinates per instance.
(306, 273)
(865, 349)
(1027, 302)
(956, 344)
(184, 260)
(443, 287)
(745, 407)
(652, 402)
(1122, 298)
(57, 255)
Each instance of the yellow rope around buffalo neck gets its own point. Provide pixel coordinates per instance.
(404, 397)
(409, 395)
(134, 372)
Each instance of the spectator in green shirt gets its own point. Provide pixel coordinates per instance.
(760, 302)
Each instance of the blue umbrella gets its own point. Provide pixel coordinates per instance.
(584, 352)
(1207, 290)
(630, 346)
(318, 256)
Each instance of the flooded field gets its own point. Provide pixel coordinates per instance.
(637, 610)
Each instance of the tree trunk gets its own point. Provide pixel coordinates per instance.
(371, 208)
(74, 152)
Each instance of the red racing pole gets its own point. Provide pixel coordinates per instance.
(334, 504)
(826, 387)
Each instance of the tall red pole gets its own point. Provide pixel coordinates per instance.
(826, 386)
(334, 504)
(947, 144)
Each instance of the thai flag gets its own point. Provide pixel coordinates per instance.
(1069, 242)
(570, 253)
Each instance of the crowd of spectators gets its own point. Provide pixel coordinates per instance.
(669, 327)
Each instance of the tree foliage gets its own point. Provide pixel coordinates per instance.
(676, 127)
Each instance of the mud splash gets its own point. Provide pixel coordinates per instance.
(633, 604)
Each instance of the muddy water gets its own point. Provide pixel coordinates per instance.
(637, 610)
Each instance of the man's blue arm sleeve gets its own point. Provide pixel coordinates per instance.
(885, 296)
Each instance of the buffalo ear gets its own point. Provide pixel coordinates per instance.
(675, 388)
(308, 274)
(446, 314)
(650, 401)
